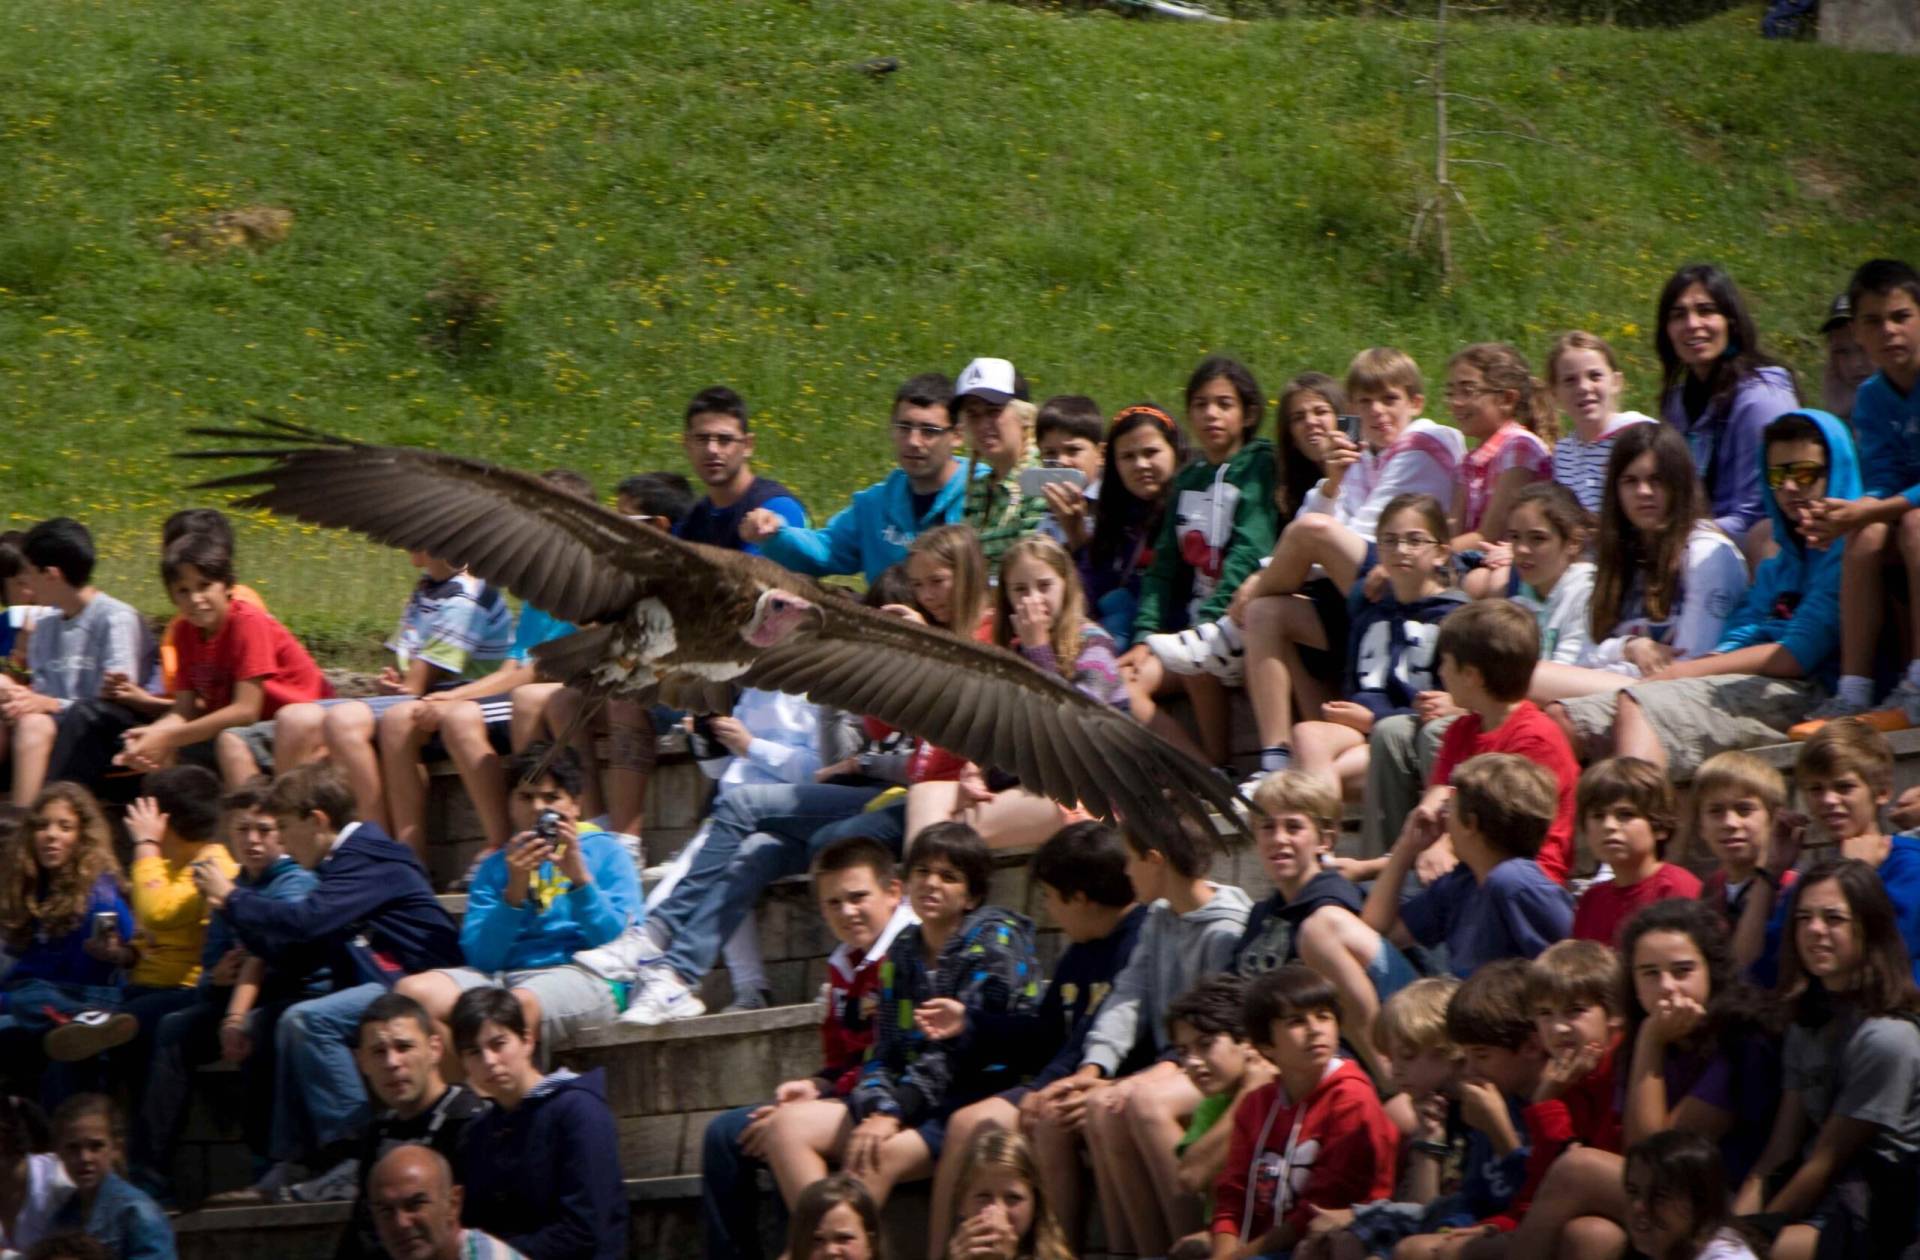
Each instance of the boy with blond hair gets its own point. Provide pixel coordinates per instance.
(1497, 903)
(1737, 803)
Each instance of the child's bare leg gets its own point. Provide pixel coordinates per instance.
(1590, 1238)
(1015, 819)
(530, 702)
(299, 736)
(1274, 625)
(1147, 682)
(1633, 734)
(1110, 1139)
(563, 706)
(1318, 747)
(1796, 1242)
(33, 737)
(234, 759)
(463, 733)
(1582, 1182)
(1314, 538)
(1861, 601)
(904, 1157)
(1106, 1190)
(1056, 1150)
(1489, 1247)
(1909, 543)
(1340, 947)
(962, 1126)
(800, 1141)
(349, 729)
(927, 804)
(1303, 629)
(631, 754)
(1155, 1111)
(1210, 715)
(400, 737)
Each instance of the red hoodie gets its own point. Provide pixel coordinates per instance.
(1584, 1114)
(1334, 1149)
(847, 1031)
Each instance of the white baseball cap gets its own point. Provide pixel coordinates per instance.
(992, 379)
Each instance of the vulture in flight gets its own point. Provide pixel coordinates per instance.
(662, 616)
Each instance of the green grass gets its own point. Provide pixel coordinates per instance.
(663, 194)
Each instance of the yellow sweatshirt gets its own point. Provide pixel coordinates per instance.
(172, 916)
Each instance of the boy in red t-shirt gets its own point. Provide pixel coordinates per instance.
(1315, 1138)
(237, 667)
(1627, 810)
(1487, 652)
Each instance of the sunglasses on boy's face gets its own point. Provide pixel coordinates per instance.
(1801, 474)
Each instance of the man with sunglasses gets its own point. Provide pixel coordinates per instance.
(1779, 648)
(719, 446)
(871, 534)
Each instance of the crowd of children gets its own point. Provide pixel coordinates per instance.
(1527, 1008)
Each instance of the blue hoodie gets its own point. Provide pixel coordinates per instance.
(871, 534)
(544, 1178)
(557, 919)
(1888, 424)
(1795, 597)
(284, 880)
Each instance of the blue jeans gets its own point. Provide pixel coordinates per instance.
(318, 1097)
(706, 906)
(730, 1190)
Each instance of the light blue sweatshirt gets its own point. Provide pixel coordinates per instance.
(496, 936)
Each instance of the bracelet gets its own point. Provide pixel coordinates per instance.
(1422, 1146)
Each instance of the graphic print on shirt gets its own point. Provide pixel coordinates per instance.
(1203, 521)
(1412, 668)
(1277, 1184)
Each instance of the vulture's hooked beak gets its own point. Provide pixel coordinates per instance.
(777, 615)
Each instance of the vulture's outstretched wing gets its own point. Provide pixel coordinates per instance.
(994, 708)
(571, 558)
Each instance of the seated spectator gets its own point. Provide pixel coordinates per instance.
(1777, 648)
(618, 797)
(541, 1170)
(38, 1183)
(1314, 1138)
(1848, 365)
(872, 533)
(1676, 1193)
(857, 886)
(1313, 916)
(90, 1136)
(69, 656)
(1498, 902)
(452, 628)
(1881, 528)
(238, 667)
(1584, 374)
(1548, 533)
(466, 720)
(237, 1004)
(560, 886)
(719, 446)
(1628, 816)
(1721, 391)
(1497, 401)
(18, 607)
(1144, 449)
(1701, 1044)
(1082, 874)
(1329, 546)
(1039, 612)
(964, 961)
(1067, 431)
(1208, 1028)
(65, 919)
(1848, 1121)
(660, 499)
(1134, 1121)
(416, 1210)
(399, 1053)
(1737, 803)
(1667, 577)
(371, 919)
(1221, 521)
(835, 1219)
(1001, 1208)
(989, 405)
(1488, 652)
(1389, 658)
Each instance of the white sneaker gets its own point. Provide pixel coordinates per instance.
(1906, 698)
(1215, 648)
(621, 958)
(659, 996)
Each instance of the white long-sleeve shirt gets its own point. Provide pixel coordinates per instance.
(1713, 579)
(1424, 459)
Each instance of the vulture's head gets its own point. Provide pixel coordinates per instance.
(777, 614)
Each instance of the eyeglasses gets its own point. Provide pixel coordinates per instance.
(926, 432)
(1801, 474)
(1405, 542)
(1470, 391)
(725, 441)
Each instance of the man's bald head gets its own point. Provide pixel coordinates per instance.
(416, 1206)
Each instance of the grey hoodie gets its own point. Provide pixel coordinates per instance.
(1174, 951)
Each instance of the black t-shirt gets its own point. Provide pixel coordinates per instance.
(442, 1127)
(1272, 935)
(922, 503)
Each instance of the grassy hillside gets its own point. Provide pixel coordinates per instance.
(659, 194)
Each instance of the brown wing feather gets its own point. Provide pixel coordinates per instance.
(566, 556)
(1009, 714)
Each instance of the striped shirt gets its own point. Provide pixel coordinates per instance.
(1581, 466)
